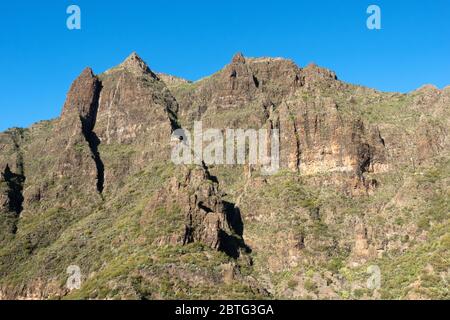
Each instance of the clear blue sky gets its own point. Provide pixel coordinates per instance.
(40, 57)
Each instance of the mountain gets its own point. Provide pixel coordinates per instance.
(363, 185)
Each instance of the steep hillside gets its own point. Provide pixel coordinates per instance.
(364, 182)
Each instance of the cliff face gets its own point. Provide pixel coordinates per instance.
(364, 180)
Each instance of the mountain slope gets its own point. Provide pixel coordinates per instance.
(364, 181)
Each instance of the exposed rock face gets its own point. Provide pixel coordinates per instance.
(76, 132)
(135, 109)
(133, 103)
(37, 290)
(203, 208)
(245, 86)
(314, 74)
(127, 105)
(364, 176)
(172, 81)
(82, 101)
(316, 136)
(208, 219)
(135, 65)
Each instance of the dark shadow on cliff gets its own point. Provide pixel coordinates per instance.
(88, 124)
(94, 142)
(233, 244)
(14, 193)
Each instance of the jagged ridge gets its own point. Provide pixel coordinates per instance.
(346, 196)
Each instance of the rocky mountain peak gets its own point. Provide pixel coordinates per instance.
(314, 74)
(87, 73)
(81, 94)
(364, 180)
(428, 88)
(135, 64)
(238, 58)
